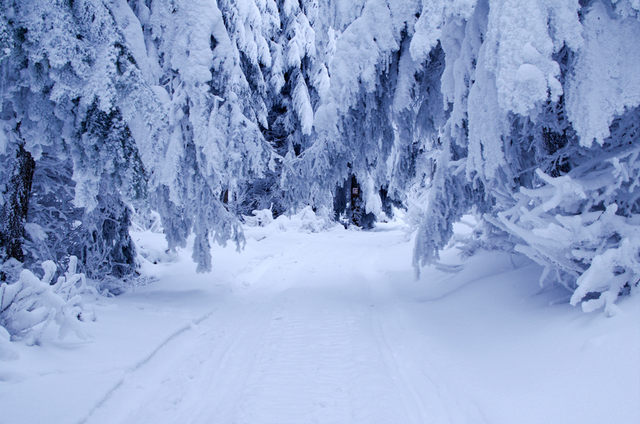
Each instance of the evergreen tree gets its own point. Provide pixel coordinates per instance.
(522, 128)
(66, 77)
(213, 109)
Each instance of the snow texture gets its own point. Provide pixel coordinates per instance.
(332, 327)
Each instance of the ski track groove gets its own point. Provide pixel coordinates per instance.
(128, 372)
(418, 409)
(334, 349)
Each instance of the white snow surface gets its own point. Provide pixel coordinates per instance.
(331, 327)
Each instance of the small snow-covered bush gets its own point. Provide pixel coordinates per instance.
(593, 251)
(260, 218)
(305, 220)
(145, 219)
(29, 305)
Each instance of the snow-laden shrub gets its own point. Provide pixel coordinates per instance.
(146, 219)
(30, 305)
(582, 228)
(580, 218)
(305, 221)
(260, 218)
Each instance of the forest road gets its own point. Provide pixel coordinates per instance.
(316, 335)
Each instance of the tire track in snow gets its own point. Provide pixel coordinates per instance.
(414, 403)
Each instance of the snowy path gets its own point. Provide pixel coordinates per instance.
(313, 350)
(332, 328)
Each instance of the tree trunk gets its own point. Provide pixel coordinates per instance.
(13, 213)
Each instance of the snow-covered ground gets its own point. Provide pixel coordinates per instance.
(332, 327)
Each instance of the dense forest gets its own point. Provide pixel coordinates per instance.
(524, 113)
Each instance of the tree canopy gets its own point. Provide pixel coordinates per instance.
(524, 113)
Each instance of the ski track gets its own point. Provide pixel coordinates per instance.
(141, 363)
(301, 349)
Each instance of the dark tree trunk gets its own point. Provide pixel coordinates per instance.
(13, 213)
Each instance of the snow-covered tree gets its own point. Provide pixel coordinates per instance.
(523, 112)
(204, 60)
(67, 79)
(293, 83)
(540, 127)
(368, 84)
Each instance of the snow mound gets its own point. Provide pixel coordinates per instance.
(262, 223)
(152, 247)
